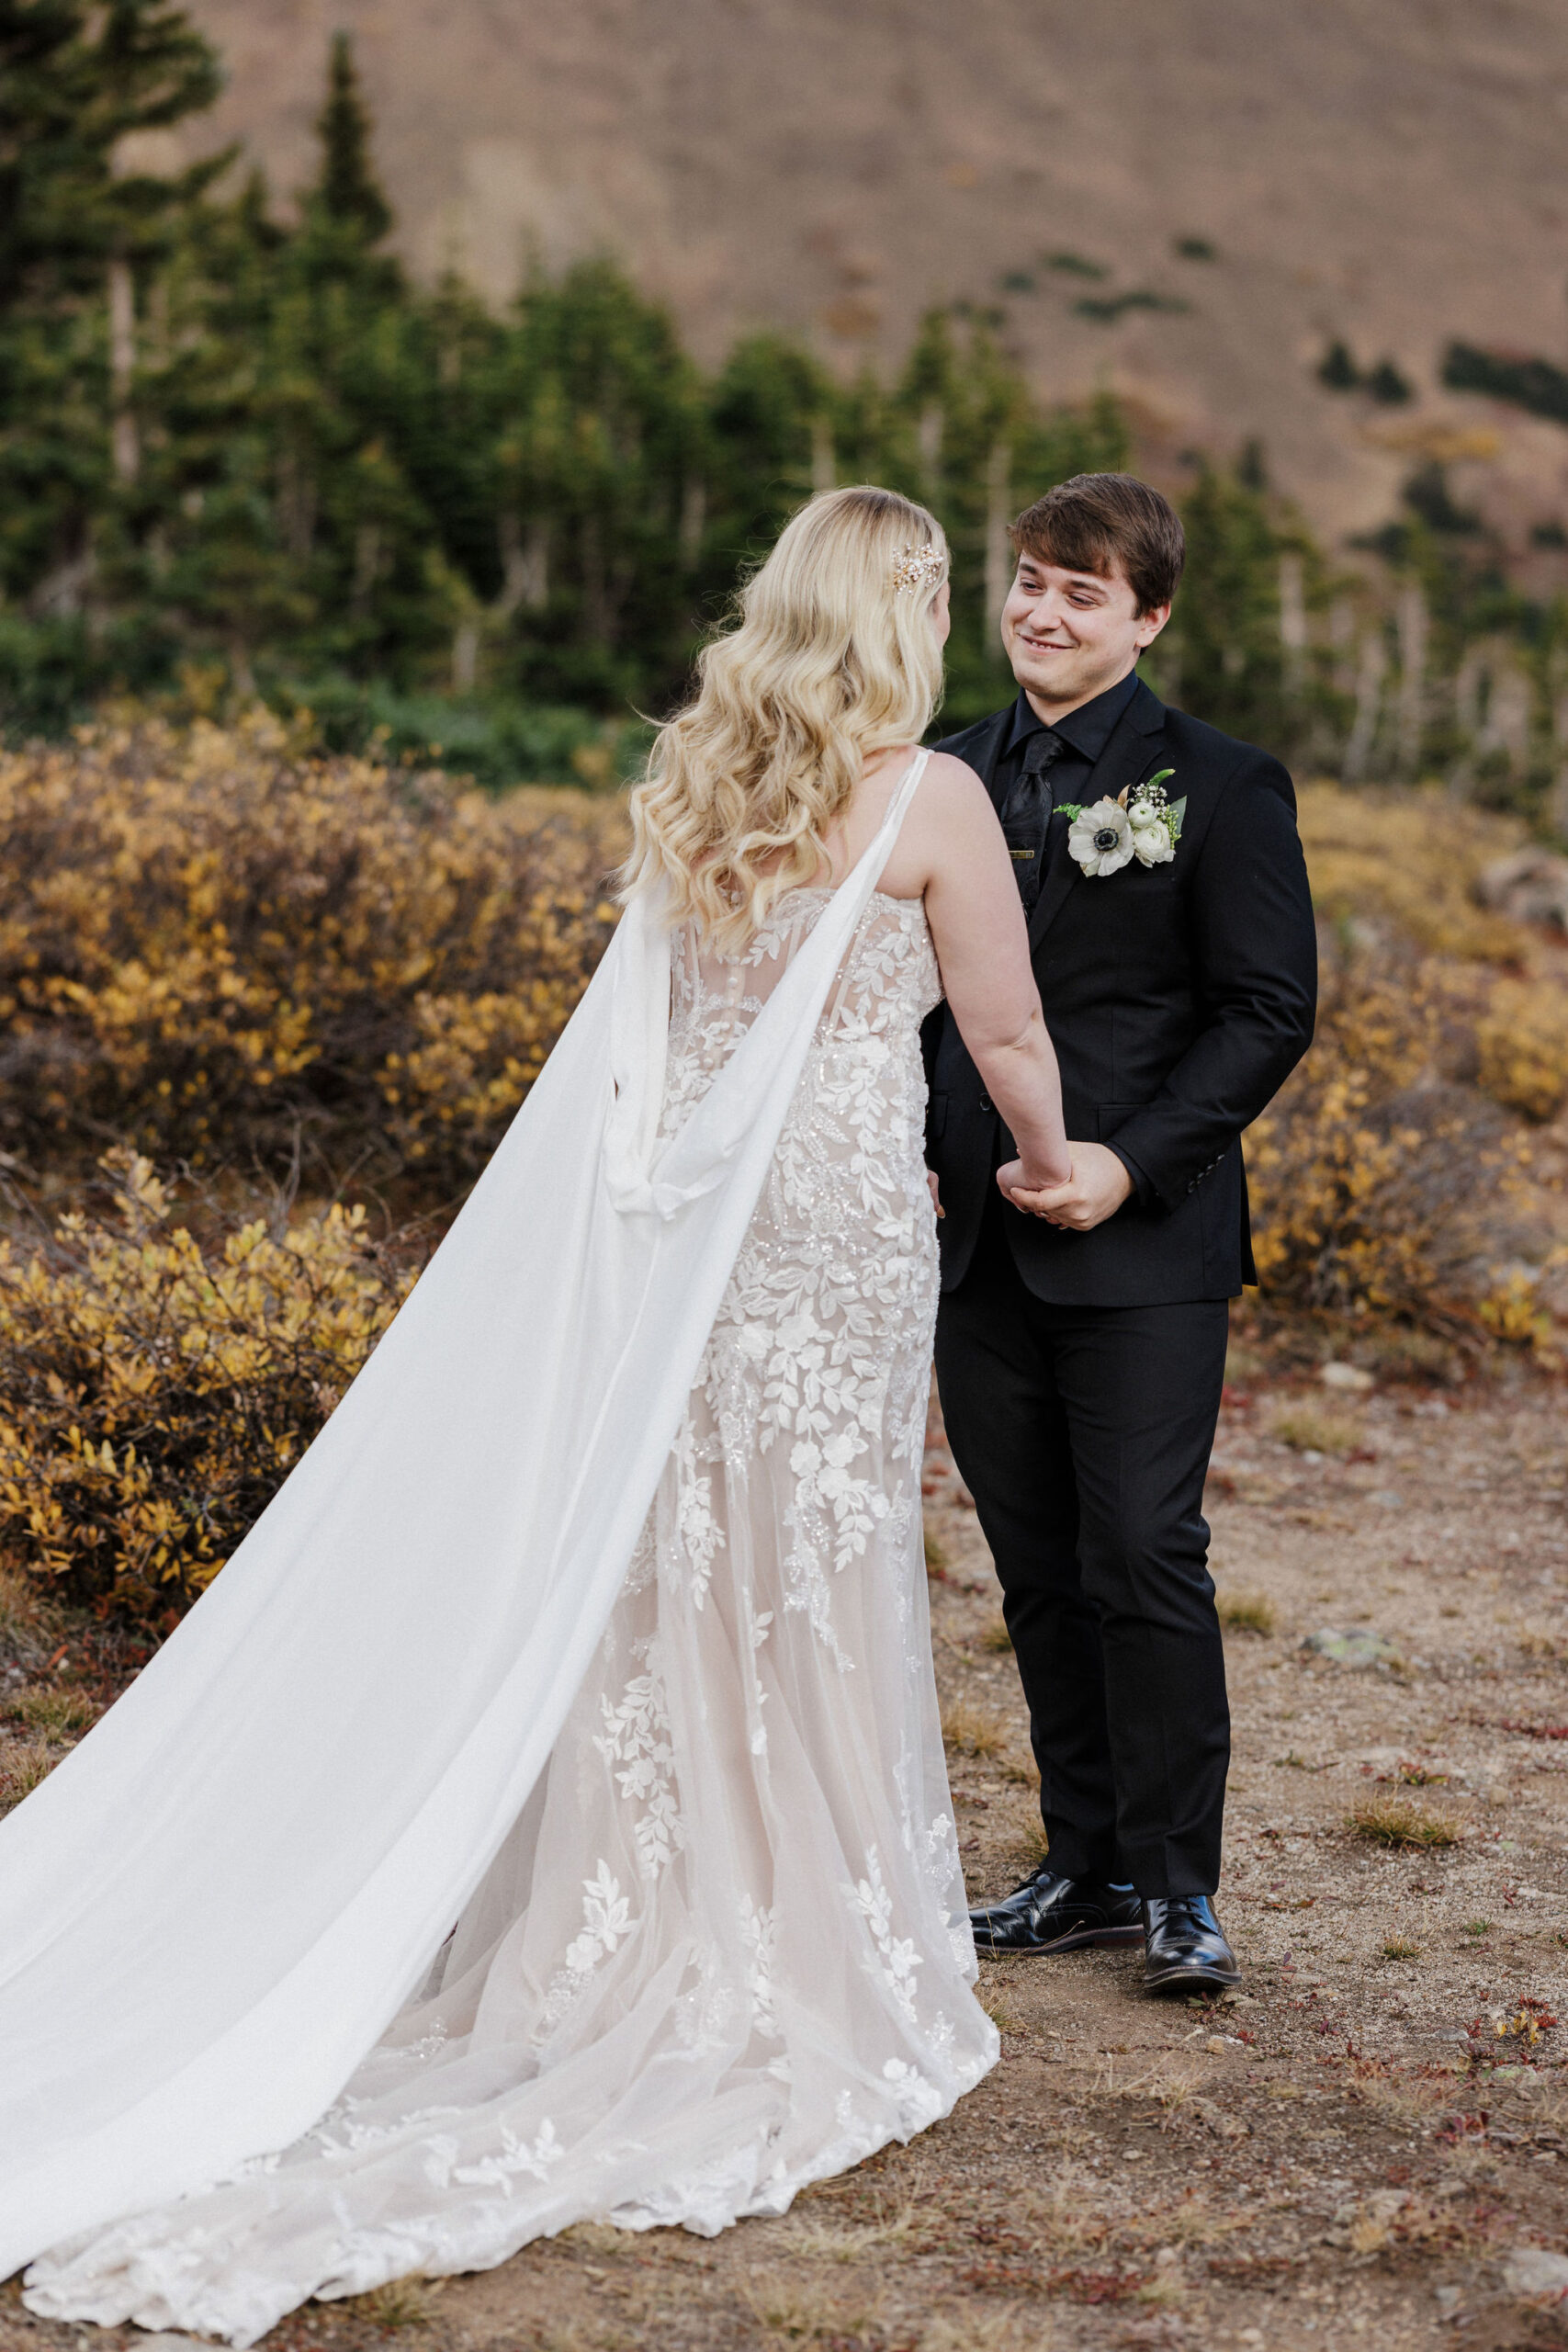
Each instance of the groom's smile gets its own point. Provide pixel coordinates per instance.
(1072, 634)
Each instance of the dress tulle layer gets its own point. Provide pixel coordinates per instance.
(723, 1950)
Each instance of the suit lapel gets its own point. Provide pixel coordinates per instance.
(1131, 754)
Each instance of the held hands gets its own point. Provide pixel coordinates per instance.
(1095, 1191)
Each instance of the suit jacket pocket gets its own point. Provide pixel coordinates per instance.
(1110, 1116)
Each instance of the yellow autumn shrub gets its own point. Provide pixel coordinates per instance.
(216, 950)
(155, 1388)
(1412, 856)
(1521, 1045)
(1394, 1175)
(1377, 1187)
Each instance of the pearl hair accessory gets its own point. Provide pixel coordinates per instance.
(917, 568)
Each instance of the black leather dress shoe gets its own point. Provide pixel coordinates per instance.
(1184, 1950)
(1050, 1912)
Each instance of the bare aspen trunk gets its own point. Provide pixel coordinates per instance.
(125, 447)
(1293, 623)
(693, 519)
(524, 565)
(927, 433)
(998, 547)
(1414, 631)
(366, 568)
(1369, 672)
(1557, 798)
(465, 656)
(824, 469)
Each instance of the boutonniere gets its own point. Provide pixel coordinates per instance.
(1142, 822)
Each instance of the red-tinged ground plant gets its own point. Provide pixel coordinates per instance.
(156, 1387)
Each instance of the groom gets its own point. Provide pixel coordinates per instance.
(1081, 1339)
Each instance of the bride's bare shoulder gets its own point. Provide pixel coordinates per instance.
(952, 780)
(951, 797)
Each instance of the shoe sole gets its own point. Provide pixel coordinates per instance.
(1193, 1980)
(1077, 1942)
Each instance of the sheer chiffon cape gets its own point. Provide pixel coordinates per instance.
(212, 1910)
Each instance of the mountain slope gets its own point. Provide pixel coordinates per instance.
(1391, 174)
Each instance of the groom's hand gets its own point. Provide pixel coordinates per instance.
(1095, 1191)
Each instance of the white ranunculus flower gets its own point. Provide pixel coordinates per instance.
(1102, 839)
(1152, 844)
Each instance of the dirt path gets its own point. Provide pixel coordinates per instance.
(1357, 2149)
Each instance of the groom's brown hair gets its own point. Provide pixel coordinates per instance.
(1106, 523)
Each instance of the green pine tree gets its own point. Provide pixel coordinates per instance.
(347, 189)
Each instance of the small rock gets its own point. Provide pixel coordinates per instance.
(1215, 2045)
(1347, 1376)
(1531, 2270)
(1529, 887)
(1448, 2298)
(1357, 1648)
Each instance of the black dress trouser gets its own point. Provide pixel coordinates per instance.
(1084, 1434)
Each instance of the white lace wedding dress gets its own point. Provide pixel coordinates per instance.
(723, 1950)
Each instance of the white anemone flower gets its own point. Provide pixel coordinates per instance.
(1102, 839)
(1152, 844)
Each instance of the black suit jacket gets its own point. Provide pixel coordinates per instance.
(1179, 997)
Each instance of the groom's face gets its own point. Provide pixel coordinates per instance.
(1071, 635)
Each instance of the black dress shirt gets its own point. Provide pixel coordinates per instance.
(1075, 745)
(1040, 768)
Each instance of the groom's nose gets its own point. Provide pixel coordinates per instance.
(1048, 612)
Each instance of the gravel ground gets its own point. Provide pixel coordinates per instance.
(1371, 2141)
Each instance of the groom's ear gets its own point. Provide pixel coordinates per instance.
(1150, 625)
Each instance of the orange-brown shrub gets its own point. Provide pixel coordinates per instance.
(155, 1388)
(209, 947)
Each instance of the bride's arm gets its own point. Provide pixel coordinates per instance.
(982, 946)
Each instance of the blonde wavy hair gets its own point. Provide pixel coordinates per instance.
(829, 662)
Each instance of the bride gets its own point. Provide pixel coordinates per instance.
(596, 1618)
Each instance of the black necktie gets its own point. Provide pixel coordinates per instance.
(1026, 815)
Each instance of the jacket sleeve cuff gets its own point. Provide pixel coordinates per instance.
(1142, 1188)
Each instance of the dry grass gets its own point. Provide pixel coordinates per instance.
(55, 1715)
(803, 2314)
(1002, 2016)
(936, 1558)
(1311, 1429)
(1065, 2217)
(20, 1607)
(970, 1730)
(1400, 1948)
(21, 1772)
(594, 2237)
(996, 1636)
(973, 2331)
(402, 2304)
(1407, 2098)
(1401, 1822)
(1247, 1613)
(849, 2242)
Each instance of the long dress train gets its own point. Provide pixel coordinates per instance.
(723, 1950)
